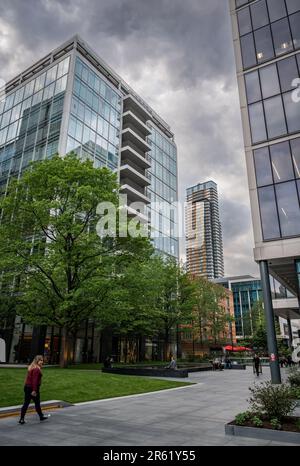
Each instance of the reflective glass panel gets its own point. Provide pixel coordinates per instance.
(292, 6)
(263, 167)
(295, 146)
(257, 122)
(288, 208)
(275, 117)
(288, 71)
(295, 27)
(252, 87)
(282, 37)
(277, 9)
(264, 44)
(248, 51)
(281, 162)
(268, 213)
(244, 21)
(292, 110)
(259, 14)
(269, 81)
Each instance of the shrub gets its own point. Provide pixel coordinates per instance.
(275, 424)
(242, 418)
(274, 401)
(257, 421)
(295, 393)
(294, 377)
(297, 424)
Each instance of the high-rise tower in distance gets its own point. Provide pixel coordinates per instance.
(204, 247)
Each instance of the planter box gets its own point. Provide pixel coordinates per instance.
(152, 372)
(261, 433)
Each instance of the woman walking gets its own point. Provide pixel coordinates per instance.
(32, 388)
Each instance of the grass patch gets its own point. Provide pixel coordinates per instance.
(76, 386)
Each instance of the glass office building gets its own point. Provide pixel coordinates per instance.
(204, 246)
(247, 291)
(266, 35)
(71, 100)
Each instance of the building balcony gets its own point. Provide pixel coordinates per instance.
(128, 135)
(131, 120)
(131, 103)
(133, 213)
(128, 153)
(126, 171)
(134, 195)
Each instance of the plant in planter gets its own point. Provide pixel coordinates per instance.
(275, 424)
(257, 422)
(294, 377)
(273, 401)
(242, 418)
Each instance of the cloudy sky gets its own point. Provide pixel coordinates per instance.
(178, 55)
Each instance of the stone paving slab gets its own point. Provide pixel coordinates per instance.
(188, 416)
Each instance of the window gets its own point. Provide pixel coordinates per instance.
(241, 3)
(275, 117)
(295, 27)
(263, 167)
(277, 9)
(259, 14)
(288, 208)
(292, 110)
(287, 70)
(257, 122)
(282, 37)
(248, 51)
(264, 44)
(268, 213)
(269, 81)
(51, 75)
(295, 146)
(292, 6)
(252, 87)
(281, 162)
(244, 21)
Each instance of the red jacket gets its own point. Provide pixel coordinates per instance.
(34, 379)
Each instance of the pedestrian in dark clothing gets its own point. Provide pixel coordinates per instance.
(289, 360)
(256, 362)
(107, 362)
(32, 388)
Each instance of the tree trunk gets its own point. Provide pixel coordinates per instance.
(64, 352)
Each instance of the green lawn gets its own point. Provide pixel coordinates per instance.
(75, 386)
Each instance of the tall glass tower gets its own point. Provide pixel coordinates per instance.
(266, 36)
(204, 247)
(71, 100)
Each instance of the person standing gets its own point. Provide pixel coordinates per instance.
(32, 388)
(256, 362)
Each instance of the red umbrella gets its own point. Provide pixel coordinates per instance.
(237, 348)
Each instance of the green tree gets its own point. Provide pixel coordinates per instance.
(49, 240)
(174, 298)
(210, 314)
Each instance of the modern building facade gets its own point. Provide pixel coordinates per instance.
(247, 291)
(204, 247)
(71, 100)
(266, 36)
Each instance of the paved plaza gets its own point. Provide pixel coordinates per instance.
(189, 416)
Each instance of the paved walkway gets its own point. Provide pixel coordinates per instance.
(193, 415)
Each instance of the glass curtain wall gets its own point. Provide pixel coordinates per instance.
(30, 121)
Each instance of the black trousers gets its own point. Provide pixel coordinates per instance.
(28, 397)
